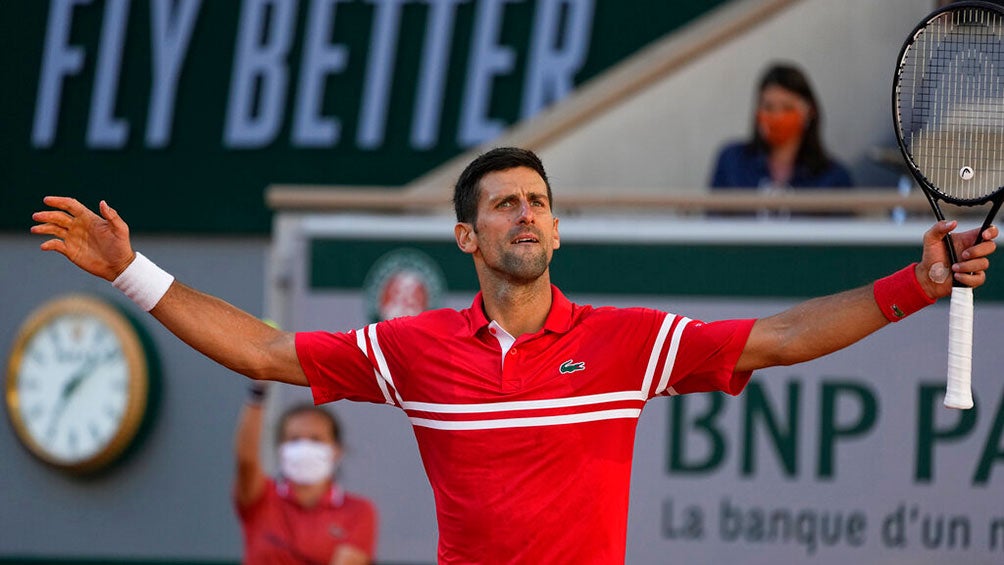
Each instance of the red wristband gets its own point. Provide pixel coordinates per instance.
(900, 294)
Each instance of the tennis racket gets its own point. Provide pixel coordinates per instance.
(948, 109)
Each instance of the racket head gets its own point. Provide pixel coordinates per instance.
(948, 102)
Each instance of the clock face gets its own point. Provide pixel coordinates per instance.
(77, 384)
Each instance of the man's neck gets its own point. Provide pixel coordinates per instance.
(520, 309)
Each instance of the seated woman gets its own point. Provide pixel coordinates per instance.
(785, 149)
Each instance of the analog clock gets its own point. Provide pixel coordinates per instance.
(78, 383)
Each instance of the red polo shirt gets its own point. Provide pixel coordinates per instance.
(528, 455)
(279, 531)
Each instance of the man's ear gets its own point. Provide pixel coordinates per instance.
(467, 239)
(557, 236)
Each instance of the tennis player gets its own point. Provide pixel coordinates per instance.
(524, 405)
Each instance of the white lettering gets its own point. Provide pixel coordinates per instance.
(260, 88)
(551, 68)
(170, 36)
(432, 74)
(488, 59)
(260, 72)
(59, 61)
(321, 59)
(379, 71)
(104, 130)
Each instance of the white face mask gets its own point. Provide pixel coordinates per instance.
(307, 462)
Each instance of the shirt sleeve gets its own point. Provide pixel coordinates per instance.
(839, 176)
(340, 366)
(736, 168)
(707, 358)
(726, 165)
(718, 173)
(250, 512)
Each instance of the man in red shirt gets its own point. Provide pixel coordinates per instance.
(524, 405)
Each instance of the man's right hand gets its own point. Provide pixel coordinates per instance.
(97, 244)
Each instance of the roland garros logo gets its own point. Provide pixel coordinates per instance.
(403, 282)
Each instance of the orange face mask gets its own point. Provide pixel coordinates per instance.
(779, 128)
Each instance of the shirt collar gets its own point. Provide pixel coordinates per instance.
(334, 498)
(559, 318)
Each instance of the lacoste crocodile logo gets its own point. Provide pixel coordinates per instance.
(572, 366)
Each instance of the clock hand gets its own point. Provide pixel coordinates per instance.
(84, 372)
(74, 382)
(64, 396)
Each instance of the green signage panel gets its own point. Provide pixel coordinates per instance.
(181, 112)
(740, 271)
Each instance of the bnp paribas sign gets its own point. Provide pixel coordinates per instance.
(190, 108)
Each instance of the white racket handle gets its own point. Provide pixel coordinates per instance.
(960, 349)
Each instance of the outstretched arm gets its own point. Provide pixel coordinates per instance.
(823, 325)
(100, 245)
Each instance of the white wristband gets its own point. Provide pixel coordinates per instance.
(144, 282)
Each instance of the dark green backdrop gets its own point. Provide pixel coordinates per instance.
(196, 184)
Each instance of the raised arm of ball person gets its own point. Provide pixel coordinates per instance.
(823, 325)
(100, 245)
(249, 483)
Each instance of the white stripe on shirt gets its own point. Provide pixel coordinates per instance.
(382, 361)
(653, 358)
(623, 413)
(674, 348)
(525, 404)
(361, 344)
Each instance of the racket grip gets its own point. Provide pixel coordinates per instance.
(959, 393)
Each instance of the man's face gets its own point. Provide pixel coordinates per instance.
(516, 233)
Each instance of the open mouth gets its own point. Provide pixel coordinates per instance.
(524, 238)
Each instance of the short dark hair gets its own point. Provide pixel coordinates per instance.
(468, 188)
(305, 408)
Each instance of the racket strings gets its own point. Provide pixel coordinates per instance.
(950, 101)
